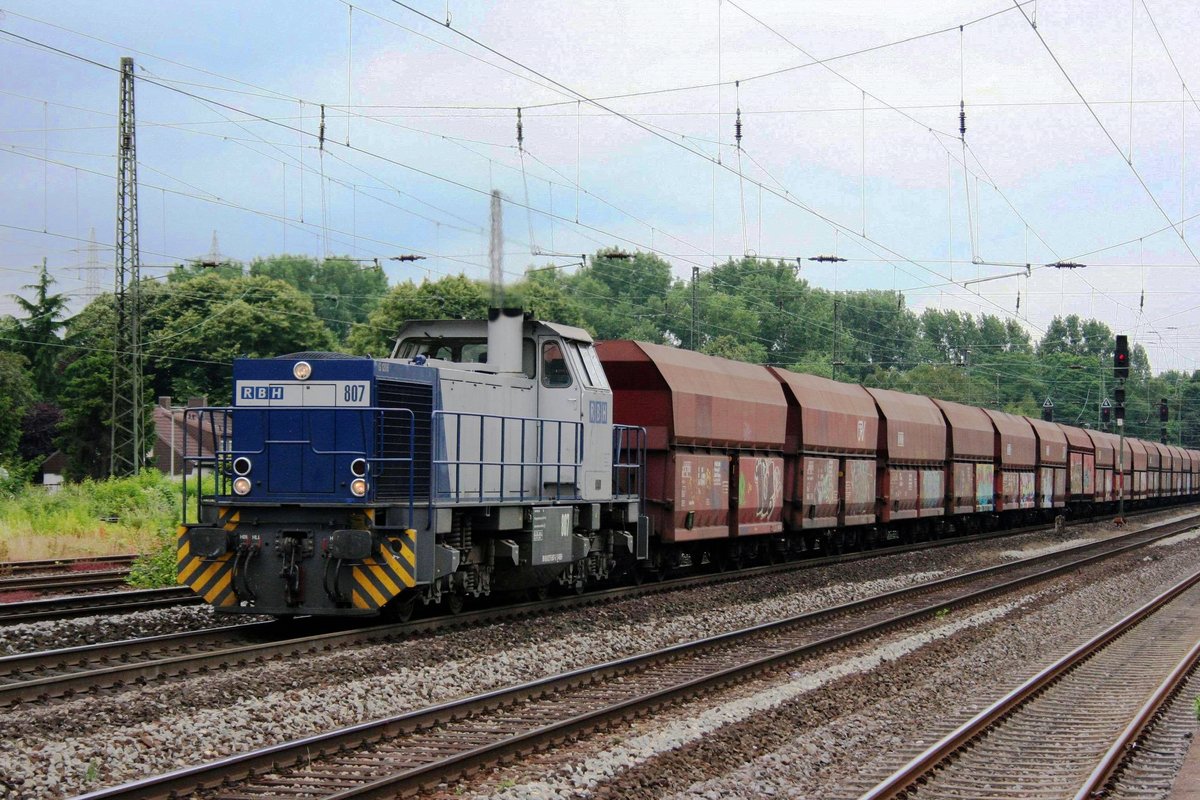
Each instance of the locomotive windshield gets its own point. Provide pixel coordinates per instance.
(460, 350)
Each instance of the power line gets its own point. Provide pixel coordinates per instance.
(814, 62)
(1107, 135)
(574, 101)
(786, 197)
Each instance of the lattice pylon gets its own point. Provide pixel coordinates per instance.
(128, 451)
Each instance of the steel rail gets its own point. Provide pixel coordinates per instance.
(82, 579)
(915, 771)
(8, 568)
(136, 660)
(1125, 743)
(624, 673)
(52, 608)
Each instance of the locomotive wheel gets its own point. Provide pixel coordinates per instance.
(455, 603)
(401, 609)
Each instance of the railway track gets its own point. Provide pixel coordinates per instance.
(1067, 730)
(408, 752)
(47, 675)
(58, 565)
(21, 579)
(68, 581)
(51, 608)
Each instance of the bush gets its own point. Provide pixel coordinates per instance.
(156, 569)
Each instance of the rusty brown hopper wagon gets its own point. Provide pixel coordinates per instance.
(715, 438)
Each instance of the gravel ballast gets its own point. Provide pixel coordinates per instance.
(56, 634)
(866, 710)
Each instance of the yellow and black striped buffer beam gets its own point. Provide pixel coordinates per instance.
(380, 578)
(211, 578)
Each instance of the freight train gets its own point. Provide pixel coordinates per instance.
(517, 455)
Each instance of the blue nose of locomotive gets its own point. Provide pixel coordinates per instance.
(321, 465)
(303, 430)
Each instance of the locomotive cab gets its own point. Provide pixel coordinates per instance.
(563, 381)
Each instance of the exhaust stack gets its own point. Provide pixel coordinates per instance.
(505, 332)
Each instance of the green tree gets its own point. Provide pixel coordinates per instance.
(1074, 336)
(86, 392)
(624, 298)
(197, 267)
(193, 330)
(719, 315)
(37, 332)
(547, 295)
(792, 319)
(343, 292)
(452, 297)
(18, 395)
(882, 333)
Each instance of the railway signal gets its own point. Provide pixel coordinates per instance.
(1121, 358)
(1048, 410)
(1121, 372)
(1163, 416)
(1105, 411)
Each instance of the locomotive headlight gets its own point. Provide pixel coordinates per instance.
(302, 370)
(358, 467)
(241, 466)
(358, 487)
(241, 485)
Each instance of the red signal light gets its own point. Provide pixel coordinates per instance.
(1121, 357)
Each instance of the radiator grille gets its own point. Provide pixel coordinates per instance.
(391, 479)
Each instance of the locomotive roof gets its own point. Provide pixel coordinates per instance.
(565, 331)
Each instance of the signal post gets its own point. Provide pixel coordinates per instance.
(1121, 373)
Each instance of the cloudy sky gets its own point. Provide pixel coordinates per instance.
(1082, 143)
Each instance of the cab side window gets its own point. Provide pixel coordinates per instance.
(555, 374)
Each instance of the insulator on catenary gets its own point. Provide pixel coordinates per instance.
(520, 132)
(737, 128)
(962, 118)
(321, 130)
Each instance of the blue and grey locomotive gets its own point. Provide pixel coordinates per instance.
(479, 457)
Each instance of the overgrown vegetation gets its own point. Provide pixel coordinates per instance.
(89, 518)
(156, 568)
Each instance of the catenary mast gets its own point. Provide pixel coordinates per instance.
(127, 439)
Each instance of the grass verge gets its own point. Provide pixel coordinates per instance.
(123, 515)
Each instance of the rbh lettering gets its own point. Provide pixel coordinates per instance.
(262, 393)
(597, 411)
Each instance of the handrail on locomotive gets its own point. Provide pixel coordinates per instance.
(214, 428)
